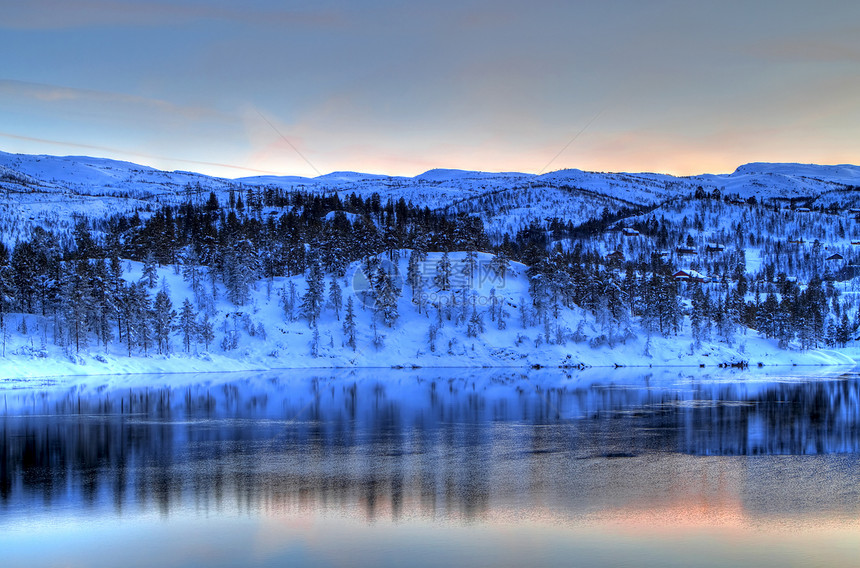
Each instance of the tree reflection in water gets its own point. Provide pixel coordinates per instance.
(457, 445)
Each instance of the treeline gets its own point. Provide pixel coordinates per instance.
(79, 285)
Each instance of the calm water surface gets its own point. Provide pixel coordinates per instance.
(429, 468)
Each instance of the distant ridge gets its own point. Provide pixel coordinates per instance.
(41, 166)
(505, 201)
(841, 173)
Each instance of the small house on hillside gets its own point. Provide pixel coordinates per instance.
(615, 256)
(835, 256)
(714, 247)
(803, 210)
(628, 232)
(686, 251)
(690, 276)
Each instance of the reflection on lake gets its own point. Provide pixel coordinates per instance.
(428, 467)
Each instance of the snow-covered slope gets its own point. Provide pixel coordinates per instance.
(99, 176)
(270, 336)
(766, 181)
(748, 247)
(842, 173)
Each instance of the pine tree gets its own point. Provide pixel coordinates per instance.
(5, 288)
(187, 324)
(163, 316)
(541, 277)
(413, 273)
(476, 323)
(830, 333)
(47, 282)
(335, 297)
(315, 342)
(77, 304)
(23, 269)
(191, 272)
(525, 316)
(470, 266)
(313, 298)
(102, 302)
(766, 316)
(415, 279)
(137, 306)
(349, 323)
(85, 246)
(443, 273)
(501, 315)
(669, 307)
(369, 270)
(289, 299)
(726, 320)
(699, 316)
(630, 289)
(205, 331)
(500, 265)
(116, 293)
(784, 322)
(611, 312)
(843, 334)
(386, 296)
(240, 266)
(420, 244)
(150, 270)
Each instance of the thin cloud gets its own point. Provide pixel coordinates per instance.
(64, 14)
(58, 93)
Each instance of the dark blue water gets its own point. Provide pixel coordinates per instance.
(429, 468)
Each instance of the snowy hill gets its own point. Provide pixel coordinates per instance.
(843, 173)
(268, 332)
(507, 202)
(110, 267)
(767, 181)
(98, 176)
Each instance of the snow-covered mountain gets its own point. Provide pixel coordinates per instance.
(46, 186)
(767, 181)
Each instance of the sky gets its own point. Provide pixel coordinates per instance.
(306, 88)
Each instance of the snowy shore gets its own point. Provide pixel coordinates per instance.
(664, 354)
(266, 336)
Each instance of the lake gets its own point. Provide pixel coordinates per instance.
(455, 467)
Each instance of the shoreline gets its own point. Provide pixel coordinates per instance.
(6, 378)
